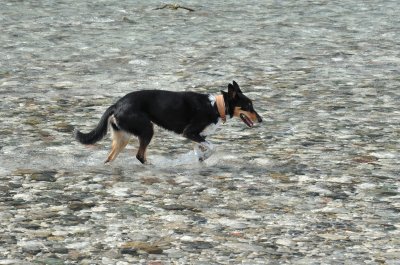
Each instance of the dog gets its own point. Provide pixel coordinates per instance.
(191, 114)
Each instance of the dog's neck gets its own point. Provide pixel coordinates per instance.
(220, 102)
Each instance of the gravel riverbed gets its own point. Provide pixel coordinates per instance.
(316, 183)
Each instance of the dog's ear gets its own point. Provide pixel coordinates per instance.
(236, 86)
(232, 92)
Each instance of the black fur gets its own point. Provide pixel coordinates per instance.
(97, 133)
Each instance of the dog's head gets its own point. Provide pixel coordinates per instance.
(239, 105)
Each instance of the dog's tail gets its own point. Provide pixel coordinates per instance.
(97, 133)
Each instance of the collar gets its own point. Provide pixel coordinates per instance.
(220, 102)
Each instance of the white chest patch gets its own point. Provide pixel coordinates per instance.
(213, 127)
(212, 99)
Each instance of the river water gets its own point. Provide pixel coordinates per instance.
(316, 183)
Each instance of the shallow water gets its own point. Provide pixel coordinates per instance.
(316, 182)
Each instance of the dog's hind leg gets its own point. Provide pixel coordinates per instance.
(144, 140)
(119, 140)
(140, 125)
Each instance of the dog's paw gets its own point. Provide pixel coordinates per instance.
(204, 150)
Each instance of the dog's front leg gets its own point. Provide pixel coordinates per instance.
(203, 150)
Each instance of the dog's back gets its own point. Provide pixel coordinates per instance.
(170, 110)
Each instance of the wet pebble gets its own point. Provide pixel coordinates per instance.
(44, 176)
(79, 205)
(199, 245)
(132, 248)
(31, 247)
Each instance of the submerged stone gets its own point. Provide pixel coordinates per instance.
(79, 205)
(132, 247)
(44, 176)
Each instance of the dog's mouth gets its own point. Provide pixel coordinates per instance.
(246, 120)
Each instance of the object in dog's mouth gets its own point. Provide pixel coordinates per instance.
(246, 120)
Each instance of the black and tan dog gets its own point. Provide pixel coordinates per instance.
(191, 114)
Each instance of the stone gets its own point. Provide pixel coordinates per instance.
(50, 260)
(10, 261)
(284, 241)
(133, 246)
(179, 207)
(31, 247)
(79, 205)
(365, 159)
(44, 176)
(333, 237)
(199, 245)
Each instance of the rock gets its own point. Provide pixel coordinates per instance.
(150, 180)
(63, 85)
(280, 177)
(199, 245)
(4, 189)
(174, 254)
(33, 121)
(132, 247)
(60, 250)
(365, 159)
(284, 241)
(76, 255)
(44, 176)
(8, 239)
(72, 220)
(130, 251)
(64, 127)
(30, 225)
(155, 262)
(79, 205)
(179, 207)
(250, 215)
(243, 247)
(333, 237)
(134, 210)
(128, 20)
(31, 247)
(234, 224)
(50, 260)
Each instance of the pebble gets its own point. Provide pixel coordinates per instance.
(31, 247)
(284, 241)
(132, 247)
(79, 205)
(243, 247)
(234, 224)
(10, 261)
(44, 176)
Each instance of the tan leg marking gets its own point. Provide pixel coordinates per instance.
(119, 140)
